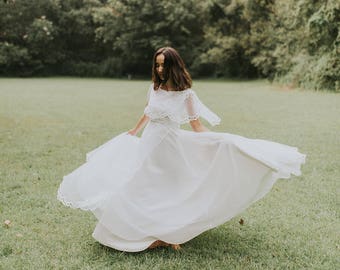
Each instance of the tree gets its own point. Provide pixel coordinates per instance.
(134, 29)
(26, 36)
(226, 40)
(296, 42)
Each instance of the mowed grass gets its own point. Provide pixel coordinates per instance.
(48, 125)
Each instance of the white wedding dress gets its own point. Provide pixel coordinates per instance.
(172, 184)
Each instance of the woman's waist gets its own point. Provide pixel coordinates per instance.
(165, 121)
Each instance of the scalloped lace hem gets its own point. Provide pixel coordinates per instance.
(86, 205)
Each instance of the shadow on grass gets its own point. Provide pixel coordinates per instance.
(219, 244)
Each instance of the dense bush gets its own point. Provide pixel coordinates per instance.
(307, 51)
(13, 58)
(294, 42)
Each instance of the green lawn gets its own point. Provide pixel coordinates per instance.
(48, 125)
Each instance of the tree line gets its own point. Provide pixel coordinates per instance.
(293, 41)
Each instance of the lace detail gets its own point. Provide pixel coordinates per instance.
(179, 106)
(87, 205)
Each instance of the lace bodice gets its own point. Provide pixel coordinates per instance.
(179, 106)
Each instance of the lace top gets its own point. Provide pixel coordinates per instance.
(180, 106)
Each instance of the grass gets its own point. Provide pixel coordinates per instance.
(47, 126)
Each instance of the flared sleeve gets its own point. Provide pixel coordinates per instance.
(195, 109)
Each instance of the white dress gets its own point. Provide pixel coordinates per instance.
(172, 184)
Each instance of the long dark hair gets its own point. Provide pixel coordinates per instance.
(174, 70)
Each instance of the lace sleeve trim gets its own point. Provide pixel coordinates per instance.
(182, 108)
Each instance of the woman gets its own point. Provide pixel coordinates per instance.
(170, 185)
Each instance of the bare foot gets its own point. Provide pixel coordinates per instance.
(176, 246)
(158, 243)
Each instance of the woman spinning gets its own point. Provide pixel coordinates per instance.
(170, 185)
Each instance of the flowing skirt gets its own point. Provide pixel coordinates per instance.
(172, 184)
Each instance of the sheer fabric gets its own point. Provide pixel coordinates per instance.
(172, 184)
(180, 106)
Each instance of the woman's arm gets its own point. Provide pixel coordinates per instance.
(140, 124)
(197, 126)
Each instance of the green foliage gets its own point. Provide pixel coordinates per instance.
(134, 29)
(295, 42)
(226, 40)
(40, 32)
(11, 54)
(262, 37)
(298, 43)
(39, 37)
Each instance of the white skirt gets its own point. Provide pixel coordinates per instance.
(172, 184)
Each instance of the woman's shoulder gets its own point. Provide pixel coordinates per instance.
(188, 91)
(185, 92)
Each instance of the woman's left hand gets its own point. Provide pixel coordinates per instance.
(197, 126)
(132, 132)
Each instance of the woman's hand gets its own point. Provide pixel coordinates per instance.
(197, 126)
(141, 123)
(132, 132)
